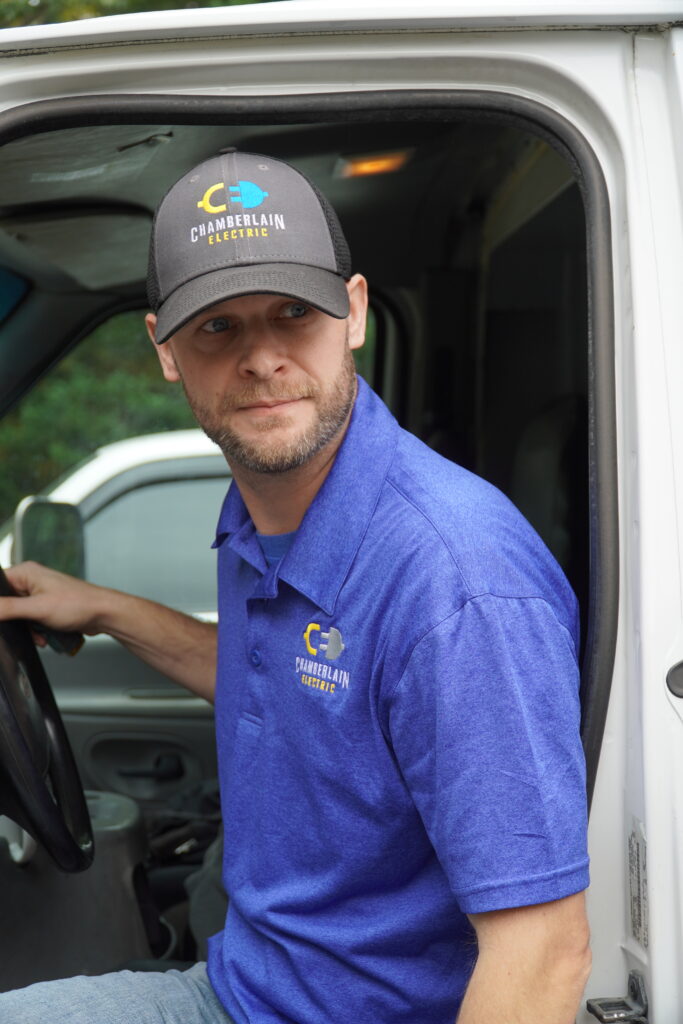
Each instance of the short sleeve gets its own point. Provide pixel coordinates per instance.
(484, 724)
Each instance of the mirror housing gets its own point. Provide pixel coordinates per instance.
(49, 532)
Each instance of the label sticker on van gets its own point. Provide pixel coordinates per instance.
(637, 870)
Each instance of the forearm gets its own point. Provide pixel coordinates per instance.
(178, 645)
(533, 964)
(518, 993)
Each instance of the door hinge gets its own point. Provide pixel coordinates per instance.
(615, 1009)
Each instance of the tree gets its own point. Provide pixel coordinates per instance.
(42, 12)
(108, 388)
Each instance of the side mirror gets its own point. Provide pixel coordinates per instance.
(49, 532)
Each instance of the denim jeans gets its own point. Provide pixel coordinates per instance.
(126, 997)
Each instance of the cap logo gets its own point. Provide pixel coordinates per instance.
(245, 192)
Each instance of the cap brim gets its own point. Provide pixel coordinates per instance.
(315, 287)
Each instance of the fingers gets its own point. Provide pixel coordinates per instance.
(51, 599)
(40, 591)
(26, 578)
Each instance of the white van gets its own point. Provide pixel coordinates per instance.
(510, 178)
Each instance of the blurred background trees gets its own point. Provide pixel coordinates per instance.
(106, 389)
(42, 12)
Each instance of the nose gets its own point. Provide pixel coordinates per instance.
(262, 354)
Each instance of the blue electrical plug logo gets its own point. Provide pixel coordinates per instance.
(248, 194)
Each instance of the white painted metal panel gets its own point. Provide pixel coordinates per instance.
(314, 17)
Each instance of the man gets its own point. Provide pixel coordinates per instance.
(396, 697)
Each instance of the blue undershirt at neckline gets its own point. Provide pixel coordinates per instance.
(275, 545)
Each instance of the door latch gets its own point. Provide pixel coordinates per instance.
(166, 768)
(631, 1008)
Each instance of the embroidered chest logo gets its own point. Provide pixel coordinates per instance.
(313, 671)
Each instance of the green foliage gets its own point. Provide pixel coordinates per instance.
(42, 12)
(107, 389)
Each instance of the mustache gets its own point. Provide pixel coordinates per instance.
(258, 392)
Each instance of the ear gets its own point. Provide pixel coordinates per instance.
(164, 352)
(357, 288)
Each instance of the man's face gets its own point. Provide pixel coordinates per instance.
(270, 380)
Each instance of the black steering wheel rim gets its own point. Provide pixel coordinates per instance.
(41, 790)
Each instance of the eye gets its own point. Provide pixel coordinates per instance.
(216, 325)
(295, 310)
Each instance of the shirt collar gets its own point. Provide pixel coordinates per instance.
(236, 527)
(334, 525)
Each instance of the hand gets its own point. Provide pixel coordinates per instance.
(173, 643)
(51, 599)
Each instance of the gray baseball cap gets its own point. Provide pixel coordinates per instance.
(241, 224)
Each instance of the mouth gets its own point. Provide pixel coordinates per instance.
(268, 404)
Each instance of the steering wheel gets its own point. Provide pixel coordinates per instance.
(39, 784)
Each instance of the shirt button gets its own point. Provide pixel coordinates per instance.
(255, 658)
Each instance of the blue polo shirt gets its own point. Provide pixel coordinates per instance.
(397, 721)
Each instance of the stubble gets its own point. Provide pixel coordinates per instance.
(267, 455)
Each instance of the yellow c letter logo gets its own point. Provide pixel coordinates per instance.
(205, 202)
(312, 627)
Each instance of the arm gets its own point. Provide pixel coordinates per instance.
(176, 644)
(533, 964)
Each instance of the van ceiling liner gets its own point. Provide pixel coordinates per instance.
(98, 248)
(99, 156)
(434, 106)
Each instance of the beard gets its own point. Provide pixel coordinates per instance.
(332, 404)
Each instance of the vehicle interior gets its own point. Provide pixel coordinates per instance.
(475, 228)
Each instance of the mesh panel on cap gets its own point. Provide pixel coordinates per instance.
(342, 253)
(153, 290)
